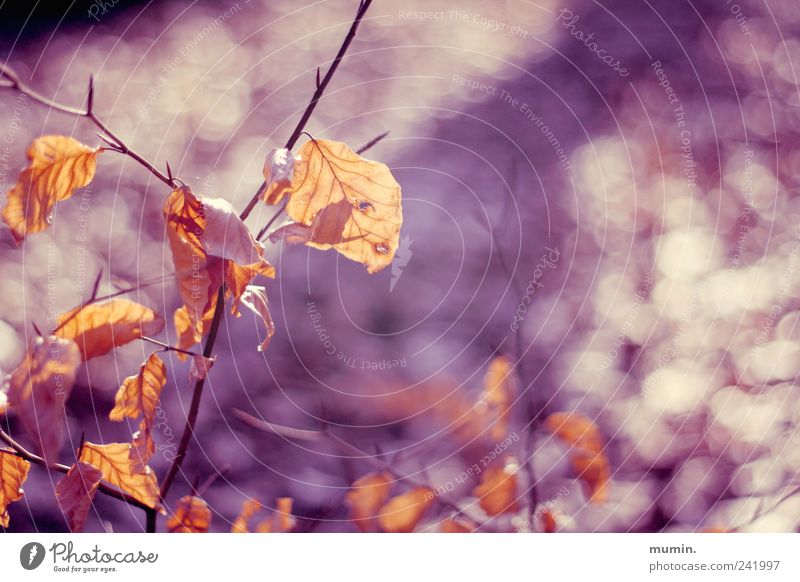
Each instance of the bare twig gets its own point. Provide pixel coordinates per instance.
(346, 447)
(167, 347)
(13, 82)
(372, 143)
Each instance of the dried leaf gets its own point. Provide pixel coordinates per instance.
(456, 525)
(226, 236)
(498, 395)
(402, 513)
(549, 523)
(352, 204)
(98, 328)
(58, 165)
(191, 515)
(278, 171)
(497, 492)
(200, 367)
(293, 233)
(115, 463)
(281, 520)
(40, 386)
(255, 299)
(76, 491)
(587, 456)
(138, 396)
(249, 509)
(366, 496)
(13, 472)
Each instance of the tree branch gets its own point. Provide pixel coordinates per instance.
(14, 82)
(320, 90)
(188, 430)
(23, 453)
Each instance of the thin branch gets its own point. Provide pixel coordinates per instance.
(167, 347)
(188, 430)
(14, 82)
(37, 460)
(320, 90)
(372, 143)
(345, 447)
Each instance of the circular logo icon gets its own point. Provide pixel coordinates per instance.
(31, 555)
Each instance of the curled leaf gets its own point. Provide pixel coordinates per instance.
(281, 520)
(115, 463)
(249, 509)
(13, 472)
(587, 455)
(352, 205)
(138, 396)
(402, 513)
(40, 386)
(200, 367)
(366, 496)
(226, 236)
(98, 328)
(191, 515)
(457, 525)
(76, 491)
(278, 171)
(58, 165)
(497, 492)
(498, 395)
(255, 299)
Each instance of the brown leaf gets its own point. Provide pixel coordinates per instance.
(76, 491)
(138, 396)
(587, 456)
(249, 509)
(456, 525)
(549, 522)
(58, 165)
(352, 204)
(39, 388)
(115, 463)
(13, 472)
(278, 170)
(281, 520)
(498, 395)
(192, 515)
(255, 299)
(402, 513)
(497, 492)
(98, 328)
(366, 496)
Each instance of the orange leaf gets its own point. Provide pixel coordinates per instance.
(497, 492)
(249, 509)
(352, 205)
(281, 520)
(456, 525)
(192, 515)
(402, 513)
(366, 496)
(549, 521)
(13, 472)
(138, 396)
(98, 328)
(76, 491)
(39, 388)
(588, 460)
(58, 165)
(115, 463)
(498, 394)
